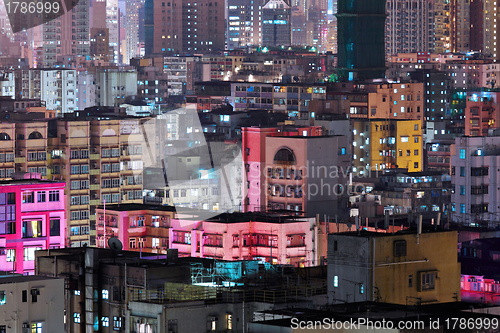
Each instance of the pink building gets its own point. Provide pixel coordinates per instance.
(32, 217)
(295, 171)
(237, 236)
(481, 113)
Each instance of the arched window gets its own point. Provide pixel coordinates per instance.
(284, 156)
(109, 132)
(35, 135)
(4, 137)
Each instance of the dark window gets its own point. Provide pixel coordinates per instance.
(335, 245)
(55, 229)
(400, 248)
(34, 295)
(116, 294)
(25, 296)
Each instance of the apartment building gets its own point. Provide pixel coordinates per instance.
(481, 112)
(474, 200)
(56, 87)
(236, 236)
(380, 144)
(290, 170)
(113, 86)
(403, 268)
(180, 26)
(32, 217)
(244, 20)
(32, 304)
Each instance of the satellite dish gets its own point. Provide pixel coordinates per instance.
(115, 244)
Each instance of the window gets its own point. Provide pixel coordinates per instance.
(84, 169)
(29, 253)
(2, 297)
(229, 322)
(84, 153)
(36, 328)
(415, 165)
(84, 200)
(172, 325)
(11, 255)
(427, 281)
(53, 196)
(28, 197)
(75, 169)
(105, 294)
(84, 215)
(117, 323)
(74, 154)
(462, 189)
(462, 154)
(155, 242)
(336, 281)
(415, 139)
(85, 184)
(76, 317)
(75, 200)
(404, 139)
(25, 296)
(75, 215)
(415, 152)
(32, 229)
(75, 184)
(462, 171)
(55, 229)
(400, 248)
(410, 281)
(462, 208)
(41, 196)
(415, 127)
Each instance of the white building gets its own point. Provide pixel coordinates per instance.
(7, 84)
(132, 8)
(56, 87)
(113, 85)
(31, 304)
(114, 29)
(85, 91)
(476, 179)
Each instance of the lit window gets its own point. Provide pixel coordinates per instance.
(336, 281)
(105, 294)
(76, 317)
(105, 321)
(462, 154)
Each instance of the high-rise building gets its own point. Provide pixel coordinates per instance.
(244, 22)
(361, 26)
(184, 26)
(112, 23)
(460, 25)
(408, 27)
(481, 26)
(68, 35)
(442, 26)
(276, 25)
(132, 23)
(99, 33)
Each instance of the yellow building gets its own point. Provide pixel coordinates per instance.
(380, 144)
(402, 268)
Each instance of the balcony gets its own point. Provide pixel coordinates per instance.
(20, 160)
(94, 156)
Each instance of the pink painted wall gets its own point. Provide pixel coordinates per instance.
(41, 211)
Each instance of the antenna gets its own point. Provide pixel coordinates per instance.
(115, 244)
